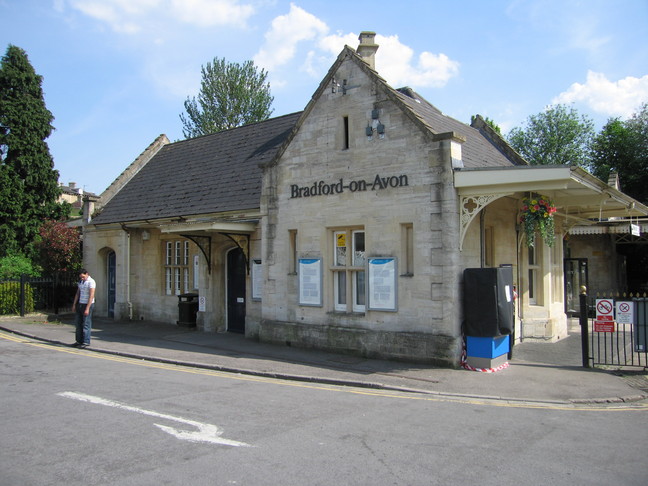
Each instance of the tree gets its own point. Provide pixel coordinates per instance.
(29, 187)
(622, 147)
(558, 135)
(489, 122)
(59, 248)
(231, 95)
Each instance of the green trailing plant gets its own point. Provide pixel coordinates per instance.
(537, 216)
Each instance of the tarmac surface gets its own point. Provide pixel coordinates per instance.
(540, 373)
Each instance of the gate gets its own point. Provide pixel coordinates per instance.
(616, 332)
(45, 294)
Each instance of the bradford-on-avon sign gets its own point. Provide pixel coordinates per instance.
(322, 188)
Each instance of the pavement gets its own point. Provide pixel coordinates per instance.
(538, 373)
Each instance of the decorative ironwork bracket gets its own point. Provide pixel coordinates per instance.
(470, 207)
(204, 243)
(243, 242)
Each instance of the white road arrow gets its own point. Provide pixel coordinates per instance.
(205, 433)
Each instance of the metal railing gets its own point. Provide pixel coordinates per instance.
(616, 331)
(45, 294)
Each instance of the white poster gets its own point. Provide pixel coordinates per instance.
(257, 280)
(310, 281)
(382, 284)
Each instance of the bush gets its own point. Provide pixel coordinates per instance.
(10, 298)
(13, 266)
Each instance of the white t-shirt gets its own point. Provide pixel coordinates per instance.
(84, 290)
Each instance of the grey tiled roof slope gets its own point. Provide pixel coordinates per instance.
(477, 151)
(208, 174)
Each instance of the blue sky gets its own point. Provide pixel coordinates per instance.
(117, 72)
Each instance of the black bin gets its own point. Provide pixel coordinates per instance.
(187, 309)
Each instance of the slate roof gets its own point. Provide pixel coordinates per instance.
(213, 173)
(478, 150)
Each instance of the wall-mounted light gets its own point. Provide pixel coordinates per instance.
(369, 132)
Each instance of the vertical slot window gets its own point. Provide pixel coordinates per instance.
(345, 127)
(292, 252)
(407, 248)
(533, 275)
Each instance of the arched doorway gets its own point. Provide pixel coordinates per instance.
(236, 274)
(111, 285)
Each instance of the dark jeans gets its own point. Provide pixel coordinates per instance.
(83, 323)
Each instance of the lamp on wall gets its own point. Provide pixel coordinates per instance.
(146, 235)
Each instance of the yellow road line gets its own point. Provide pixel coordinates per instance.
(640, 406)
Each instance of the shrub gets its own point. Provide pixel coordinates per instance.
(10, 298)
(13, 266)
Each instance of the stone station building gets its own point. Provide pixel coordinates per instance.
(344, 227)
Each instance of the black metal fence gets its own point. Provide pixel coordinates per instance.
(616, 332)
(22, 296)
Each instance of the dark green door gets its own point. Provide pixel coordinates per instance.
(236, 291)
(112, 283)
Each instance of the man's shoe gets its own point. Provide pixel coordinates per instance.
(75, 345)
(83, 346)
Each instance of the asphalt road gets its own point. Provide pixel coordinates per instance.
(76, 417)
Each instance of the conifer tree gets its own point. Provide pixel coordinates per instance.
(29, 187)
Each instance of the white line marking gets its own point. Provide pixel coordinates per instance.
(205, 433)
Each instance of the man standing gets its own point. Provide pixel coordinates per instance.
(83, 306)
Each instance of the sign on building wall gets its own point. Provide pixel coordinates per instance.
(310, 281)
(382, 283)
(257, 280)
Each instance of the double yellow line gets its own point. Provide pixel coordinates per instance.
(624, 407)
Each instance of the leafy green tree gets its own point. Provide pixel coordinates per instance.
(556, 136)
(622, 147)
(29, 187)
(231, 95)
(490, 122)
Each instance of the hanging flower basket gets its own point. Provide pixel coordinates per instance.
(537, 215)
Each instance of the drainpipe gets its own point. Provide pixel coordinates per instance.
(128, 286)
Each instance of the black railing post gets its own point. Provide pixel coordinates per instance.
(55, 293)
(584, 325)
(23, 279)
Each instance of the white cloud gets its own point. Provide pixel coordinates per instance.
(394, 60)
(285, 33)
(130, 16)
(611, 98)
(206, 13)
